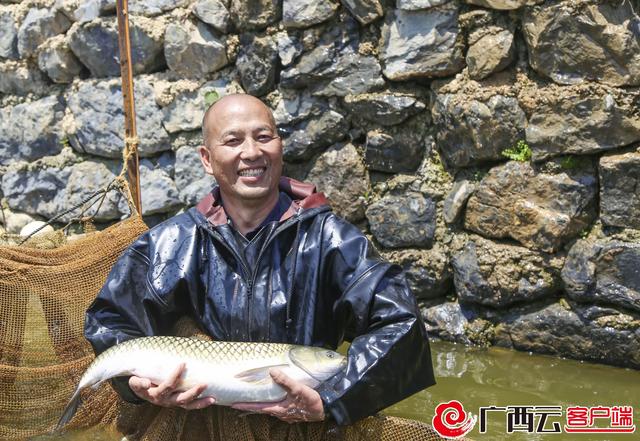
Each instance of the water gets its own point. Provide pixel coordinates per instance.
(499, 377)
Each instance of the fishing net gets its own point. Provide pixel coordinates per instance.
(45, 287)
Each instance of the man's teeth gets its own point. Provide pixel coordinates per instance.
(252, 172)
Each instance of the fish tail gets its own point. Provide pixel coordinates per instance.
(70, 410)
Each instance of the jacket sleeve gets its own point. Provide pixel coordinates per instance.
(389, 357)
(138, 299)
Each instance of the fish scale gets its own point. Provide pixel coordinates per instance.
(232, 371)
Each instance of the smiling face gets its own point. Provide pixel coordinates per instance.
(242, 150)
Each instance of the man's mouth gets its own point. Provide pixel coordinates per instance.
(252, 172)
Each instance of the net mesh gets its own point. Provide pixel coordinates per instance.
(45, 288)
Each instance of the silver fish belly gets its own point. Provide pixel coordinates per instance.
(234, 372)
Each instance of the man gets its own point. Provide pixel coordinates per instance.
(262, 258)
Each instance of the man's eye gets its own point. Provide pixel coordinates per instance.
(265, 138)
(232, 141)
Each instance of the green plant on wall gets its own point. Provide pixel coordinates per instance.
(210, 97)
(520, 152)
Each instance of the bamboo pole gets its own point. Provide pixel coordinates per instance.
(131, 136)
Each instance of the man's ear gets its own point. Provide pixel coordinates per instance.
(205, 158)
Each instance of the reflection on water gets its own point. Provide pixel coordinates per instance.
(499, 377)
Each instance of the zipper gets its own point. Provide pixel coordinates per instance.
(360, 277)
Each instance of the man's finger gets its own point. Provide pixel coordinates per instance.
(189, 395)
(292, 386)
(199, 403)
(269, 408)
(170, 383)
(139, 384)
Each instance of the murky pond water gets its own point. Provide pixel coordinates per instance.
(498, 377)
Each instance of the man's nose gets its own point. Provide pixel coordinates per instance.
(251, 149)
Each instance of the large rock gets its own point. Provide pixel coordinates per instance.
(256, 64)
(398, 148)
(289, 47)
(472, 131)
(48, 190)
(570, 42)
(292, 107)
(428, 272)
(186, 109)
(603, 335)
(154, 7)
(341, 175)
(159, 192)
(8, 35)
(305, 13)
(503, 4)
(491, 46)
(331, 71)
(98, 119)
(313, 135)
(365, 11)
(87, 10)
(193, 51)
(581, 120)
(499, 275)
(57, 60)
(383, 108)
(21, 78)
(604, 272)
(542, 209)
(191, 181)
(95, 43)
(446, 321)
(37, 26)
(419, 44)
(403, 221)
(254, 14)
(32, 130)
(619, 189)
(214, 13)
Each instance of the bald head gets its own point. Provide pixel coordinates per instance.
(231, 107)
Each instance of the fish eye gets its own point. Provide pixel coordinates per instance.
(330, 354)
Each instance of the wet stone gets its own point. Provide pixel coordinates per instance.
(214, 13)
(32, 130)
(619, 173)
(37, 26)
(604, 272)
(365, 11)
(305, 13)
(191, 180)
(500, 275)
(446, 321)
(566, 42)
(403, 221)
(96, 108)
(341, 175)
(428, 272)
(383, 108)
(8, 36)
(313, 135)
(422, 44)
(542, 209)
(193, 51)
(472, 131)
(256, 64)
(456, 200)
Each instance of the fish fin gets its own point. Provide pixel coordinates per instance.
(70, 410)
(258, 375)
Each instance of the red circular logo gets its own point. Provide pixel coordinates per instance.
(451, 421)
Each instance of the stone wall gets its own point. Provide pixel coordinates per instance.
(402, 112)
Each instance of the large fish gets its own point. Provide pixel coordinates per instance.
(234, 372)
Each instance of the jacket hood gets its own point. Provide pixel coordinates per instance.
(304, 196)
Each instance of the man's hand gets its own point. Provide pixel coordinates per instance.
(165, 395)
(301, 404)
